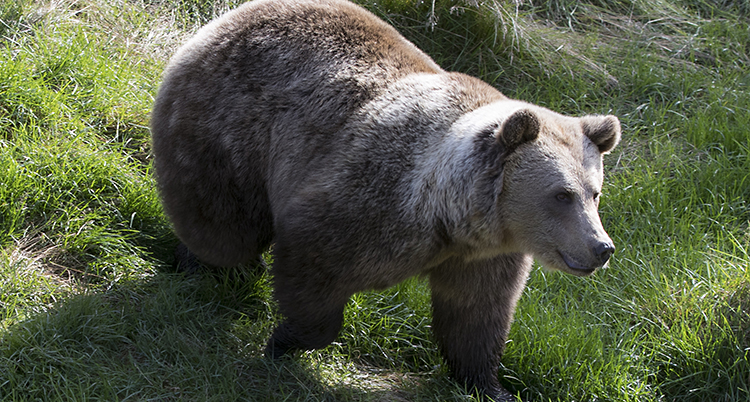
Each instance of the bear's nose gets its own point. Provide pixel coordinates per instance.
(604, 250)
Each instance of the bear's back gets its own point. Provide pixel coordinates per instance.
(294, 53)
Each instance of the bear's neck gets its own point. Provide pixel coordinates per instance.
(450, 197)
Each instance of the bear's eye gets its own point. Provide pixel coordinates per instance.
(564, 197)
(597, 196)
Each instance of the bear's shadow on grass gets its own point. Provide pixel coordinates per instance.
(176, 336)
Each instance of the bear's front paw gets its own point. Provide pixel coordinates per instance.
(281, 343)
(275, 350)
(498, 394)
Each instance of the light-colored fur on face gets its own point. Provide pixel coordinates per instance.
(556, 182)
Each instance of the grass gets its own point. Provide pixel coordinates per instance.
(89, 309)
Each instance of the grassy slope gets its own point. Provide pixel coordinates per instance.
(89, 311)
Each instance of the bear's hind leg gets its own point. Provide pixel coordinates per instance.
(473, 306)
(185, 261)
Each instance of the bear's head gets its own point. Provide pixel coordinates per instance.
(547, 195)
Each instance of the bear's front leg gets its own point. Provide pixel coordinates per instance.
(307, 334)
(312, 304)
(473, 306)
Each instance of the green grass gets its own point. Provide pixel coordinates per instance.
(90, 310)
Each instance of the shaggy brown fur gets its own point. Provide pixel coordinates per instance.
(315, 126)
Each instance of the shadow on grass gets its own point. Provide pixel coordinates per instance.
(174, 337)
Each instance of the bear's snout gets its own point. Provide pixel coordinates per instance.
(584, 264)
(603, 251)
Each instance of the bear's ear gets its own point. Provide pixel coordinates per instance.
(603, 131)
(522, 126)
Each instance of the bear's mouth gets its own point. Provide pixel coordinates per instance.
(575, 266)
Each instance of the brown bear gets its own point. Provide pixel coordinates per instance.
(314, 126)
